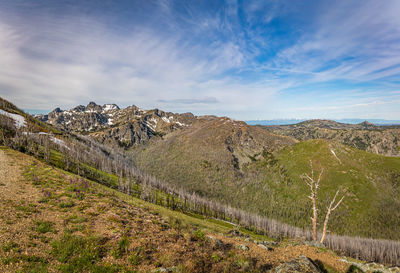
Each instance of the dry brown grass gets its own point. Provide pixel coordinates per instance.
(154, 239)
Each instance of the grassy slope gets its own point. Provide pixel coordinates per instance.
(372, 205)
(207, 157)
(269, 184)
(52, 220)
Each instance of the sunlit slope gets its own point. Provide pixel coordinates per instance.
(209, 157)
(55, 221)
(372, 182)
(268, 181)
(383, 140)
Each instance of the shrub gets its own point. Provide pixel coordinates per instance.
(122, 248)
(198, 235)
(44, 226)
(136, 257)
(24, 258)
(175, 223)
(67, 204)
(354, 269)
(243, 263)
(216, 258)
(10, 246)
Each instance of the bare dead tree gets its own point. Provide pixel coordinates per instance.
(314, 186)
(332, 207)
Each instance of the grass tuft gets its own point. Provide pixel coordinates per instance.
(44, 226)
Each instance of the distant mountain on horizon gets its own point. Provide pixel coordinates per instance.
(349, 121)
(274, 121)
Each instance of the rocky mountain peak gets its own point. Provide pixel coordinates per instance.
(109, 123)
(57, 110)
(92, 106)
(79, 108)
(110, 107)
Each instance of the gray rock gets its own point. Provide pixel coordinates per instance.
(302, 264)
(269, 243)
(174, 269)
(217, 243)
(235, 233)
(267, 248)
(160, 269)
(242, 247)
(314, 244)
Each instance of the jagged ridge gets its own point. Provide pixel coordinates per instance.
(111, 125)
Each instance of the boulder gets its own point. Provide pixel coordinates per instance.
(242, 247)
(216, 243)
(235, 233)
(302, 264)
(314, 244)
(268, 248)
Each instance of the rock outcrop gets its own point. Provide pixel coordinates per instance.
(300, 265)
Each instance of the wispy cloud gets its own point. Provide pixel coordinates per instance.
(349, 41)
(247, 59)
(191, 101)
(83, 61)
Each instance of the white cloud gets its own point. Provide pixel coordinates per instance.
(50, 61)
(362, 39)
(61, 62)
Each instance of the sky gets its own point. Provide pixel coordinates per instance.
(243, 59)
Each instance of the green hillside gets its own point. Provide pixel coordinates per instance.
(269, 182)
(372, 204)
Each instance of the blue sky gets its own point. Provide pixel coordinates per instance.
(242, 59)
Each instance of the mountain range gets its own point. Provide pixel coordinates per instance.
(233, 162)
(384, 140)
(257, 169)
(66, 206)
(112, 125)
(347, 120)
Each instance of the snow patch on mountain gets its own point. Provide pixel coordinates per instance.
(181, 124)
(110, 107)
(18, 119)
